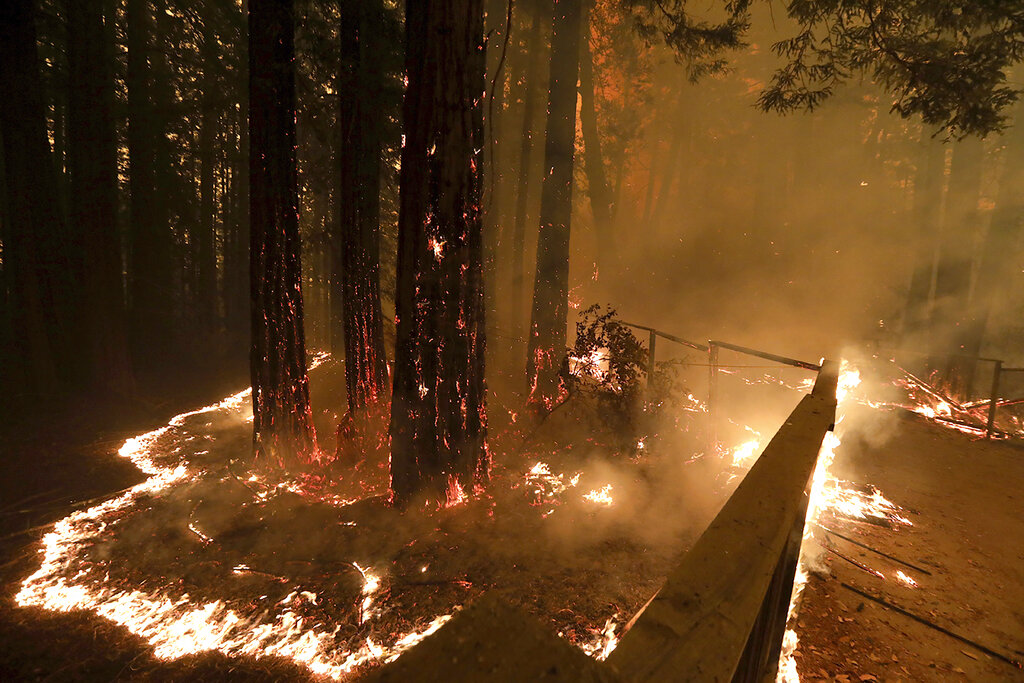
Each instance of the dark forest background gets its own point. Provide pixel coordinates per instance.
(692, 208)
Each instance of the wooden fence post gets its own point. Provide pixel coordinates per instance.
(993, 406)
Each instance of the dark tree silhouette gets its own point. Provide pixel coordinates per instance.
(547, 340)
(283, 431)
(36, 263)
(150, 285)
(92, 168)
(438, 411)
(361, 120)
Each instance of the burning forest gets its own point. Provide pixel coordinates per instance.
(578, 340)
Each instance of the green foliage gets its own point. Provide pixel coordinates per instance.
(698, 43)
(945, 61)
(608, 365)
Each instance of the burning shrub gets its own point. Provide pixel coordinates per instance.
(609, 365)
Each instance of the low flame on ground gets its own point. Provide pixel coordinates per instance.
(603, 644)
(601, 496)
(179, 626)
(905, 580)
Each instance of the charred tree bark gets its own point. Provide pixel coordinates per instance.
(438, 407)
(527, 144)
(92, 168)
(359, 155)
(35, 261)
(546, 344)
(283, 432)
(600, 196)
(150, 284)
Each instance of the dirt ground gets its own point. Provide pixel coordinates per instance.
(965, 502)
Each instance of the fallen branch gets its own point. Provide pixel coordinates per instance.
(877, 552)
(855, 563)
(931, 391)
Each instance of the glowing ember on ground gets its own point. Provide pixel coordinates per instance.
(601, 496)
(905, 580)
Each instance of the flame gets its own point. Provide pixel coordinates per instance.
(605, 641)
(176, 626)
(595, 364)
(601, 496)
(744, 454)
(905, 580)
(546, 486)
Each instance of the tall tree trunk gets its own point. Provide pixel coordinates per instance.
(359, 153)
(236, 260)
(206, 258)
(438, 408)
(928, 188)
(283, 432)
(600, 195)
(150, 283)
(496, 114)
(546, 344)
(92, 167)
(955, 262)
(531, 112)
(1000, 242)
(34, 248)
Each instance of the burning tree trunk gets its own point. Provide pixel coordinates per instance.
(546, 349)
(282, 420)
(438, 408)
(360, 121)
(92, 167)
(35, 262)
